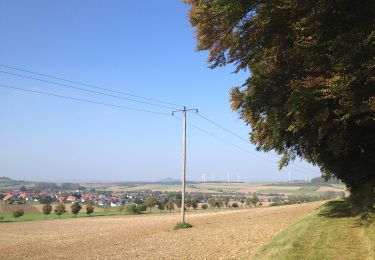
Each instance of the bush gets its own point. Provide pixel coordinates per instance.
(132, 209)
(219, 203)
(273, 204)
(47, 208)
(18, 213)
(89, 209)
(235, 205)
(194, 204)
(204, 206)
(135, 209)
(169, 206)
(75, 208)
(142, 207)
(150, 202)
(60, 209)
(181, 225)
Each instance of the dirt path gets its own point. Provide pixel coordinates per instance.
(216, 235)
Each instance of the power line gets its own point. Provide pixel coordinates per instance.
(118, 106)
(84, 100)
(86, 90)
(241, 148)
(92, 86)
(223, 128)
(236, 135)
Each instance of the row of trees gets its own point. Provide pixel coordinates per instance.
(149, 203)
(60, 209)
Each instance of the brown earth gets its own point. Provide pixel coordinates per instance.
(215, 235)
(28, 209)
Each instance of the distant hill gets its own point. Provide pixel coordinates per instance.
(320, 180)
(5, 179)
(10, 184)
(7, 183)
(168, 180)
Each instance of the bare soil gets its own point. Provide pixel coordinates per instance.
(28, 209)
(216, 235)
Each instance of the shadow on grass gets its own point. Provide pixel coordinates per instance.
(337, 209)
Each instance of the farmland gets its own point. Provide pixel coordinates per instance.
(108, 198)
(216, 234)
(223, 187)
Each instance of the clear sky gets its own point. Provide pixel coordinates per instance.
(146, 48)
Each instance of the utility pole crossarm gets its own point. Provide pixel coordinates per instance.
(185, 110)
(183, 180)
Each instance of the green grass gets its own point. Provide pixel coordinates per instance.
(308, 188)
(183, 225)
(331, 232)
(8, 217)
(39, 216)
(305, 190)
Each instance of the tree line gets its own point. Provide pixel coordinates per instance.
(311, 90)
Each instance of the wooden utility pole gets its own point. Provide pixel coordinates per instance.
(183, 188)
(183, 179)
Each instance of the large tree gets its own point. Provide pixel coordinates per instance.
(311, 86)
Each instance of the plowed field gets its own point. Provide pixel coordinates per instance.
(215, 235)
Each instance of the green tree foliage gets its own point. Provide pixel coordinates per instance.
(170, 206)
(194, 204)
(18, 213)
(150, 202)
(75, 207)
(211, 202)
(219, 203)
(254, 200)
(135, 209)
(226, 202)
(204, 206)
(178, 203)
(311, 90)
(161, 204)
(188, 203)
(89, 208)
(235, 205)
(131, 209)
(142, 207)
(248, 202)
(47, 208)
(60, 209)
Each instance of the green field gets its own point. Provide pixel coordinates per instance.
(331, 232)
(303, 190)
(8, 217)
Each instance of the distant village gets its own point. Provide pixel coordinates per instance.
(23, 197)
(20, 192)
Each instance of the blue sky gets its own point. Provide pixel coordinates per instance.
(146, 48)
